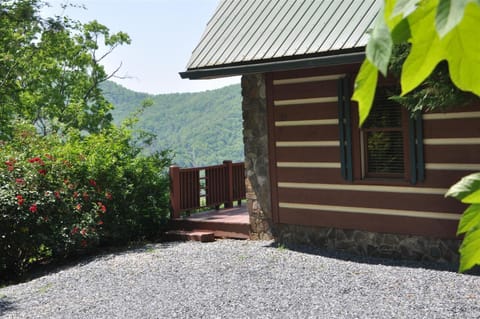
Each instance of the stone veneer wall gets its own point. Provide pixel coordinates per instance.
(363, 243)
(255, 138)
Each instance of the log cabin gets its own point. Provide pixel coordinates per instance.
(313, 175)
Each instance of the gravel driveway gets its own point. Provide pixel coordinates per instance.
(241, 279)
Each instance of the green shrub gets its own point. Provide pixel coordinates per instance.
(65, 194)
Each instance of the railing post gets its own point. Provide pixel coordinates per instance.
(229, 184)
(175, 191)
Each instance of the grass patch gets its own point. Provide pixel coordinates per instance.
(45, 288)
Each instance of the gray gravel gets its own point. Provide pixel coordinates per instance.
(240, 279)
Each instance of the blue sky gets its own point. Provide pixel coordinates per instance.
(163, 33)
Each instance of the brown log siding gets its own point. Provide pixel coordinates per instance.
(451, 128)
(373, 223)
(304, 90)
(450, 154)
(308, 154)
(423, 202)
(289, 164)
(304, 111)
(307, 133)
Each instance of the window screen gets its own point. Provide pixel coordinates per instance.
(383, 140)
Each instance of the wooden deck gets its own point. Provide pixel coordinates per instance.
(224, 223)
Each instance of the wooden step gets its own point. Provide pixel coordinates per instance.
(221, 229)
(231, 234)
(203, 236)
(225, 223)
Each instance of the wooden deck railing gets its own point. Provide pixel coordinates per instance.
(209, 186)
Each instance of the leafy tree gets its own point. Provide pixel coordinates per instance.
(70, 179)
(50, 69)
(438, 31)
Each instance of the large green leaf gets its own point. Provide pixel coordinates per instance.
(461, 49)
(470, 250)
(473, 198)
(468, 190)
(466, 186)
(391, 18)
(470, 219)
(449, 15)
(426, 51)
(379, 47)
(365, 86)
(401, 32)
(404, 7)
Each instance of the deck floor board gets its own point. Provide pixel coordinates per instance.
(228, 222)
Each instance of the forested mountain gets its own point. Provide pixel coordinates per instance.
(202, 128)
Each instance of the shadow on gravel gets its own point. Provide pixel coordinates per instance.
(373, 260)
(52, 267)
(5, 305)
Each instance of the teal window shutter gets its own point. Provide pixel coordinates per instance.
(417, 164)
(344, 124)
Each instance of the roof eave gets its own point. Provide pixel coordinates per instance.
(270, 66)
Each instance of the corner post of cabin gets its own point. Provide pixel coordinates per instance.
(256, 138)
(229, 183)
(174, 173)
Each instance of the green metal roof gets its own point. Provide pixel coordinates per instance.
(245, 36)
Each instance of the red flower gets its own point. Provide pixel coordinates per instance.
(75, 230)
(92, 182)
(102, 207)
(20, 181)
(100, 222)
(42, 172)
(9, 165)
(75, 194)
(57, 194)
(20, 200)
(83, 232)
(36, 160)
(78, 207)
(33, 208)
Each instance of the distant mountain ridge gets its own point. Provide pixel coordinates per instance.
(201, 128)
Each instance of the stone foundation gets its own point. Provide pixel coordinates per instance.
(363, 243)
(255, 138)
(260, 222)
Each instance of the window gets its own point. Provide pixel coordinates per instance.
(383, 139)
(388, 146)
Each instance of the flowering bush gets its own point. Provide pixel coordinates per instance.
(66, 194)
